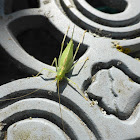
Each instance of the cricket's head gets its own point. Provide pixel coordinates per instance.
(60, 74)
(59, 77)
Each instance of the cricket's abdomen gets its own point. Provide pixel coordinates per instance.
(63, 69)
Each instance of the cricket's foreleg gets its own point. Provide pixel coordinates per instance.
(55, 61)
(43, 70)
(77, 87)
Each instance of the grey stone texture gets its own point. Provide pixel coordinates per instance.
(31, 33)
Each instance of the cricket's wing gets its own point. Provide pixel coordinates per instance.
(66, 59)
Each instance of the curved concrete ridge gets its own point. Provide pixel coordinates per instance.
(34, 128)
(27, 84)
(74, 13)
(99, 121)
(80, 131)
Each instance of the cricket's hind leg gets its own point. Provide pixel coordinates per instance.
(82, 94)
(77, 63)
(60, 106)
(79, 45)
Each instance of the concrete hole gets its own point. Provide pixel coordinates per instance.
(11, 6)
(108, 6)
(132, 50)
(39, 38)
(40, 43)
(8, 70)
(135, 55)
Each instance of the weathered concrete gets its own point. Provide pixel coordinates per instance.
(31, 38)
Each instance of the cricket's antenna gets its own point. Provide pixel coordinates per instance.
(62, 44)
(73, 31)
(14, 98)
